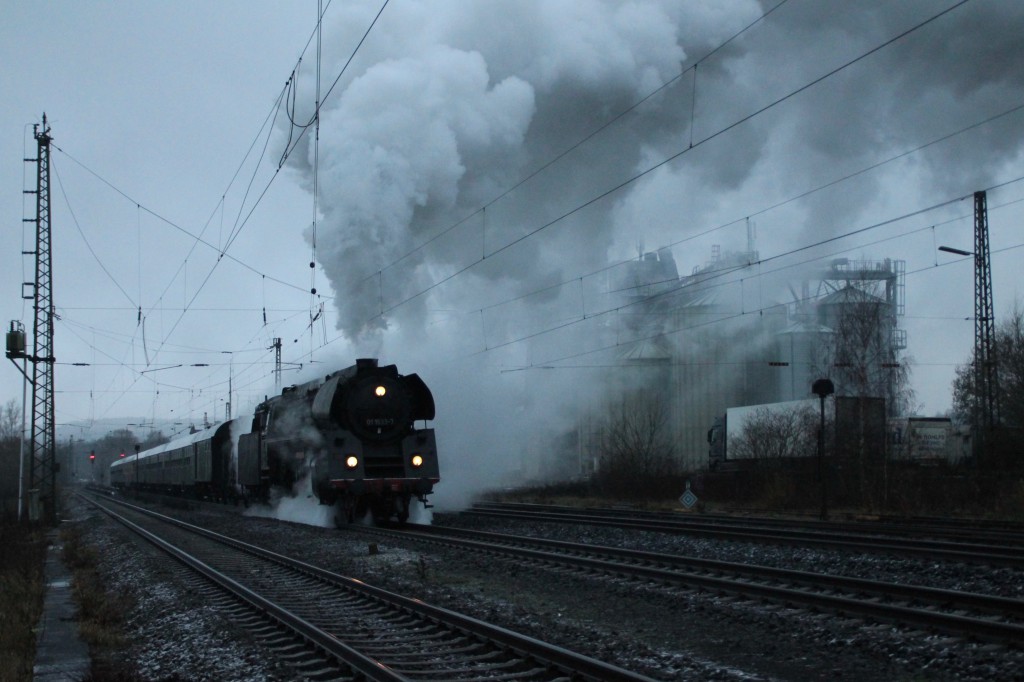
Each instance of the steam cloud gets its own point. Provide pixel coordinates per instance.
(449, 104)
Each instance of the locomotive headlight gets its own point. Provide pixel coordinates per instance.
(416, 461)
(380, 391)
(351, 461)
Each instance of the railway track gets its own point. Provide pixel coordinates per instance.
(326, 626)
(963, 614)
(992, 547)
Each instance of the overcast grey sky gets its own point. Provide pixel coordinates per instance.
(445, 107)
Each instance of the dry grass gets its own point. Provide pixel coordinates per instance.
(101, 614)
(21, 597)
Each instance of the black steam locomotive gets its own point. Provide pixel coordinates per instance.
(353, 432)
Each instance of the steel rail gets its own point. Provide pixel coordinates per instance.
(970, 553)
(989, 532)
(356, 661)
(559, 657)
(633, 563)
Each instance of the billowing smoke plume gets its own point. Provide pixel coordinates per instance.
(448, 105)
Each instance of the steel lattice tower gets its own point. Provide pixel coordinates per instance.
(43, 460)
(986, 378)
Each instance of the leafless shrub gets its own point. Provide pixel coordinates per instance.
(637, 454)
(1009, 357)
(772, 436)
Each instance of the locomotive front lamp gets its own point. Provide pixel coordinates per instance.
(351, 461)
(380, 391)
(417, 461)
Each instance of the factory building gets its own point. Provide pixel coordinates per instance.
(724, 337)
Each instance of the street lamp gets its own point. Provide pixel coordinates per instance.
(959, 252)
(822, 388)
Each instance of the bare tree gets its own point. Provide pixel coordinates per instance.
(773, 435)
(10, 422)
(154, 439)
(1009, 344)
(10, 451)
(636, 446)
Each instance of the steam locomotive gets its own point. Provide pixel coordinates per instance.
(353, 433)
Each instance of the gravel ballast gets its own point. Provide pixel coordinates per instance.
(663, 633)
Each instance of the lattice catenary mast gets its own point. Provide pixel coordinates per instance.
(986, 378)
(42, 457)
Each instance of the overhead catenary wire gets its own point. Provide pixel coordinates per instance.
(85, 240)
(703, 283)
(766, 209)
(583, 140)
(709, 137)
(197, 239)
(191, 307)
(240, 222)
(170, 223)
(316, 178)
(653, 167)
(221, 249)
(490, 346)
(549, 363)
(735, 315)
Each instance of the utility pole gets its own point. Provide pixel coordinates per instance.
(16, 351)
(986, 378)
(231, 378)
(277, 364)
(42, 451)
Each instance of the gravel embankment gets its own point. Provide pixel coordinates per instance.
(666, 635)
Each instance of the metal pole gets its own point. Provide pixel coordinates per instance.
(821, 461)
(986, 378)
(231, 376)
(42, 460)
(21, 453)
(822, 388)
